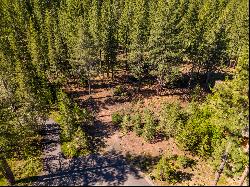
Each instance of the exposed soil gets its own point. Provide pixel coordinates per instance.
(103, 104)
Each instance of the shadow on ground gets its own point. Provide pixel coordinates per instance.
(98, 133)
(144, 162)
(109, 169)
(95, 169)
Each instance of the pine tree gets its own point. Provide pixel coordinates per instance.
(97, 29)
(164, 43)
(109, 35)
(125, 28)
(84, 57)
(139, 35)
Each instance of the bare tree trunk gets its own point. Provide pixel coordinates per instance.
(126, 65)
(112, 71)
(246, 171)
(108, 69)
(101, 64)
(159, 86)
(244, 175)
(223, 162)
(89, 83)
(8, 174)
(208, 79)
(191, 76)
(139, 86)
(100, 55)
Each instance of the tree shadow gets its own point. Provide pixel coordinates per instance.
(90, 103)
(159, 137)
(97, 133)
(191, 80)
(109, 169)
(182, 176)
(144, 162)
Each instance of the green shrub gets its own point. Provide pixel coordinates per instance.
(149, 129)
(119, 91)
(78, 146)
(172, 118)
(201, 136)
(116, 118)
(196, 93)
(137, 123)
(126, 124)
(26, 168)
(172, 76)
(69, 149)
(165, 170)
(184, 162)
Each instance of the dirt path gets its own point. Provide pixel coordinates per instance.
(109, 168)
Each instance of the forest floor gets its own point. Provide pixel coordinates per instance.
(135, 149)
(118, 158)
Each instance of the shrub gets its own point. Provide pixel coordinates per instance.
(116, 118)
(149, 128)
(137, 123)
(126, 125)
(165, 169)
(172, 118)
(201, 135)
(184, 162)
(118, 91)
(173, 76)
(77, 146)
(69, 149)
(196, 94)
(26, 167)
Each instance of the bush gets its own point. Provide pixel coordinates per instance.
(196, 94)
(78, 146)
(201, 136)
(173, 76)
(165, 170)
(184, 162)
(116, 118)
(27, 168)
(149, 129)
(126, 125)
(172, 118)
(137, 123)
(119, 91)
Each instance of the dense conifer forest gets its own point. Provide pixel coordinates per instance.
(55, 55)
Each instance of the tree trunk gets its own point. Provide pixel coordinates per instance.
(139, 86)
(108, 68)
(244, 175)
(89, 83)
(191, 76)
(246, 171)
(112, 71)
(223, 162)
(100, 57)
(208, 79)
(8, 174)
(126, 65)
